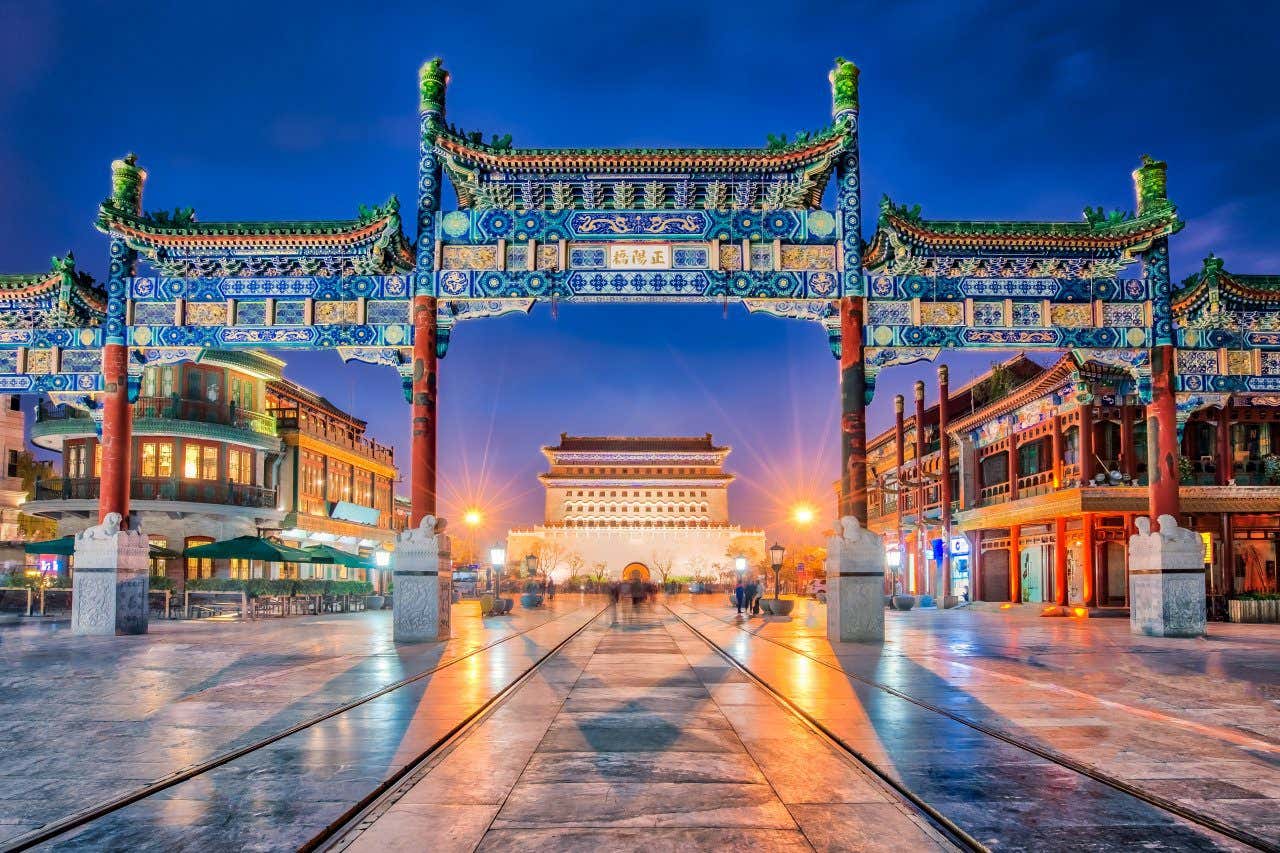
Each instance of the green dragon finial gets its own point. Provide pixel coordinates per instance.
(888, 208)
(432, 82)
(1212, 264)
(126, 184)
(1151, 181)
(844, 87)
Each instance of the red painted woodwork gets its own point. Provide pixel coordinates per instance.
(1225, 468)
(1060, 560)
(1128, 464)
(116, 434)
(1015, 563)
(944, 465)
(920, 490)
(422, 486)
(853, 401)
(1087, 462)
(1089, 570)
(1162, 437)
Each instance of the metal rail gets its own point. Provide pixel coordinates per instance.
(82, 818)
(1203, 820)
(936, 818)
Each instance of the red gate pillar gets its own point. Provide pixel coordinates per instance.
(1056, 446)
(422, 486)
(853, 408)
(117, 435)
(944, 455)
(1162, 437)
(1128, 465)
(1086, 444)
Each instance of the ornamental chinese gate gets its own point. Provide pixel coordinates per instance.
(695, 225)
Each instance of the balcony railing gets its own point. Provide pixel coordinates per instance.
(1035, 484)
(161, 489)
(174, 408)
(999, 493)
(367, 447)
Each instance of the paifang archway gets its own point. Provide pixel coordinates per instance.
(744, 225)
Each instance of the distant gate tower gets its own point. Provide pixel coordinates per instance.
(637, 504)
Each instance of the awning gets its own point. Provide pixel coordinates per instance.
(252, 548)
(329, 554)
(66, 546)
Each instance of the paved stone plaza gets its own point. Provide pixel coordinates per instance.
(639, 734)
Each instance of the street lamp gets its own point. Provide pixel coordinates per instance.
(472, 517)
(531, 565)
(498, 558)
(803, 514)
(740, 564)
(776, 553)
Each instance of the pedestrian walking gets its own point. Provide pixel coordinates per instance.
(751, 592)
(551, 590)
(739, 595)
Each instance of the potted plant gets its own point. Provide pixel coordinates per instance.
(530, 598)
(1186, 470)
(900, 600)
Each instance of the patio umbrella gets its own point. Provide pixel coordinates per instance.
(66, 545)
(329, 554)
(252, 548)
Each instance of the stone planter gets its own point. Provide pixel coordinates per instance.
(374, 602)
(1250, 610)
(904, 602)
(777, 606)
(950, 601)
(530, 600)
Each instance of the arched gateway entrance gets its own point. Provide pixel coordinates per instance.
(636, 572)
(637, 226)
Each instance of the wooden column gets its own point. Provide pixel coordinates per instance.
(1162, 437)
(1056, 446)
(853, 410)
(1015, 570)
(1060, 560)
(1013, 470)
(1226, 460)
(944, 455)
(117, 435)
(1087, 468)
(920, 490)
(1088, 569)
(975, 567)
(1128, 464)
(422, 487)
(899, 435)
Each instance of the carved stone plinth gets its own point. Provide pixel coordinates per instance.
(423, 580)
(1166, 580)
(855, 585)
(111, 580)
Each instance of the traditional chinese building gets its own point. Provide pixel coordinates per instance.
(226, 447)
(1048, 469)
(336, 483)
(636, 506)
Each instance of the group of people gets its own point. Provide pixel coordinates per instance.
(748, 596)
(637, 590)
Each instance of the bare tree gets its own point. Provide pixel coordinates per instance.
(662, 561)
(547, 556)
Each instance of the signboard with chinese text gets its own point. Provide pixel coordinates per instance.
(640, 256)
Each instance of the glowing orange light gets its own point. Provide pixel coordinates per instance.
(472, 517)
(1006, 606)
(1079, 611)
(803, 514)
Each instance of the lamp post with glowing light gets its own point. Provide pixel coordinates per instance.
(740, 565)
(776, 555)
(497, 558)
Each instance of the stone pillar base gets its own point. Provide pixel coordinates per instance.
(1166, 580)
(855, 585)
(111, 581)
(423, 585)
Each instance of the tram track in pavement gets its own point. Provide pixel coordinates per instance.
(339, 838)
(79, 820)
(1163, 804)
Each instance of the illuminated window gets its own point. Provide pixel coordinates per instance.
(158, 564)
(209, 463)
(240, 569)
(191, 461)
(97, 459)
(198, 567)
(239, 465)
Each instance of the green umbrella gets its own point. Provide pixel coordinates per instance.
(66, 545)
(251, 548)
(329, 554)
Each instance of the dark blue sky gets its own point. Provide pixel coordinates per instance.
(974, 110)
